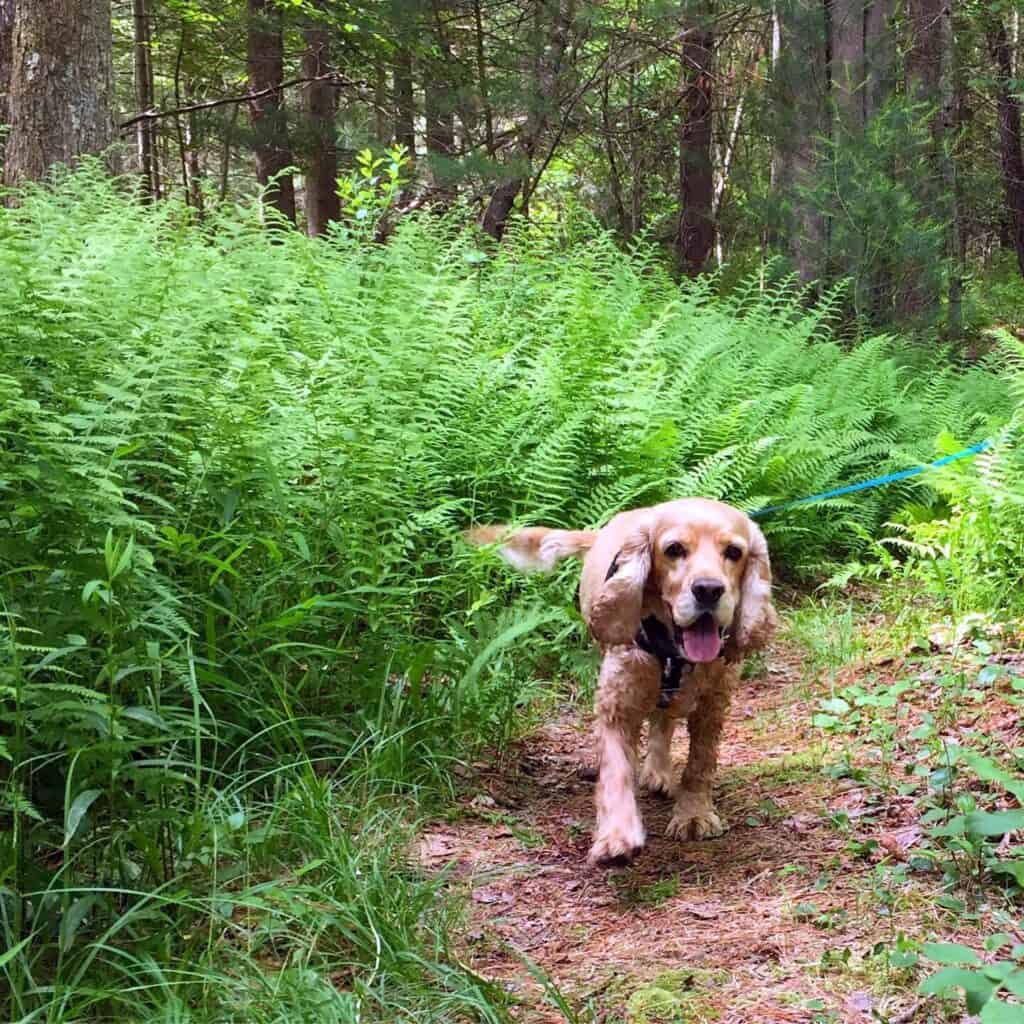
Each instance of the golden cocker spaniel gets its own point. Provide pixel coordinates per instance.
(675, 595)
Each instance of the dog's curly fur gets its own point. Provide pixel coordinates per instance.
(645, 563)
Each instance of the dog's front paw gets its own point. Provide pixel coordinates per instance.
(616, 847)
(657, 781)
(694, 817)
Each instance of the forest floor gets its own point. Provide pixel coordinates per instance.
(788, 917)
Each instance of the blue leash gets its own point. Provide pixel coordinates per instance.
(878, 481)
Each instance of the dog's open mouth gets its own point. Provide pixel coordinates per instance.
(702, 639)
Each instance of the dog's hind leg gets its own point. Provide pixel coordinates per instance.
(656, 774)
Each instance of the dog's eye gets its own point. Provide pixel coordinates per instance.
(675, 550)
(733, 553)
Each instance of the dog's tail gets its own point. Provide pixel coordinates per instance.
(534, 548)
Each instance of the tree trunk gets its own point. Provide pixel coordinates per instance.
(800, 90)
(61, 90)
(923, 61)
(846, 31)
(547, 75)
(863, 48)
(696, 236)
(481, 76)
(269, 121)
(145, 130)
(380, 89)
(923, 68)
(439, 117)
(1011, 157)
(879, 55)
(949, 89)
(194, 168)
(322, 202)
(439, 90)
(405, 105)
(6, 42)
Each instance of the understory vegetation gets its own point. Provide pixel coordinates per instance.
(244, 645)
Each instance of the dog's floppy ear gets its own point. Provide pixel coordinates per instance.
(614, 615)
(755, 619)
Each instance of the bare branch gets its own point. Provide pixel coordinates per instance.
(332, 78)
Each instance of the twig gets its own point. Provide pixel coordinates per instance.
(152, 115)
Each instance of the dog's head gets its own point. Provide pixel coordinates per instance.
(698, 565)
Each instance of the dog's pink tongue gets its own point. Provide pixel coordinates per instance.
(701, 641)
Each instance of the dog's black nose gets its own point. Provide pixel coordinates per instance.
(707, 592)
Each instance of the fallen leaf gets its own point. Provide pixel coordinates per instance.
(434, 849)
(897, 842)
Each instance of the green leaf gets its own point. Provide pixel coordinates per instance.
(950, 953)
(835, 706)
(977, 988)
(1015, 982)
(1014, 868)
(998, 1012)
(72, 919)
(76, 812)
(15, 950)
(999, 970)
(993, 823)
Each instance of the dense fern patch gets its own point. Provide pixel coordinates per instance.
(234, 467)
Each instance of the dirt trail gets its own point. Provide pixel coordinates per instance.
(731, 929)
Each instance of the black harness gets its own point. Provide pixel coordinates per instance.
(656, 639)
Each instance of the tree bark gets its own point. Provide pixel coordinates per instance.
(800, 90)
(923, 61)
(145, 130)
(6, 43)
(879, 55)
(380, 89)
(405, 105)
(846, 31)
(1011, 157)
(949, 89)
(194, 168)
(438, 106)
(696, 235)
(61, 87)
(269, 121)
(481, 74)
(863, 58)
(322, 202)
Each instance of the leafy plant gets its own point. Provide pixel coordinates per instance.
(242, 640)
(982, 982)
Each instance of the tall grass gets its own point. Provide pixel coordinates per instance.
(243, 643)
